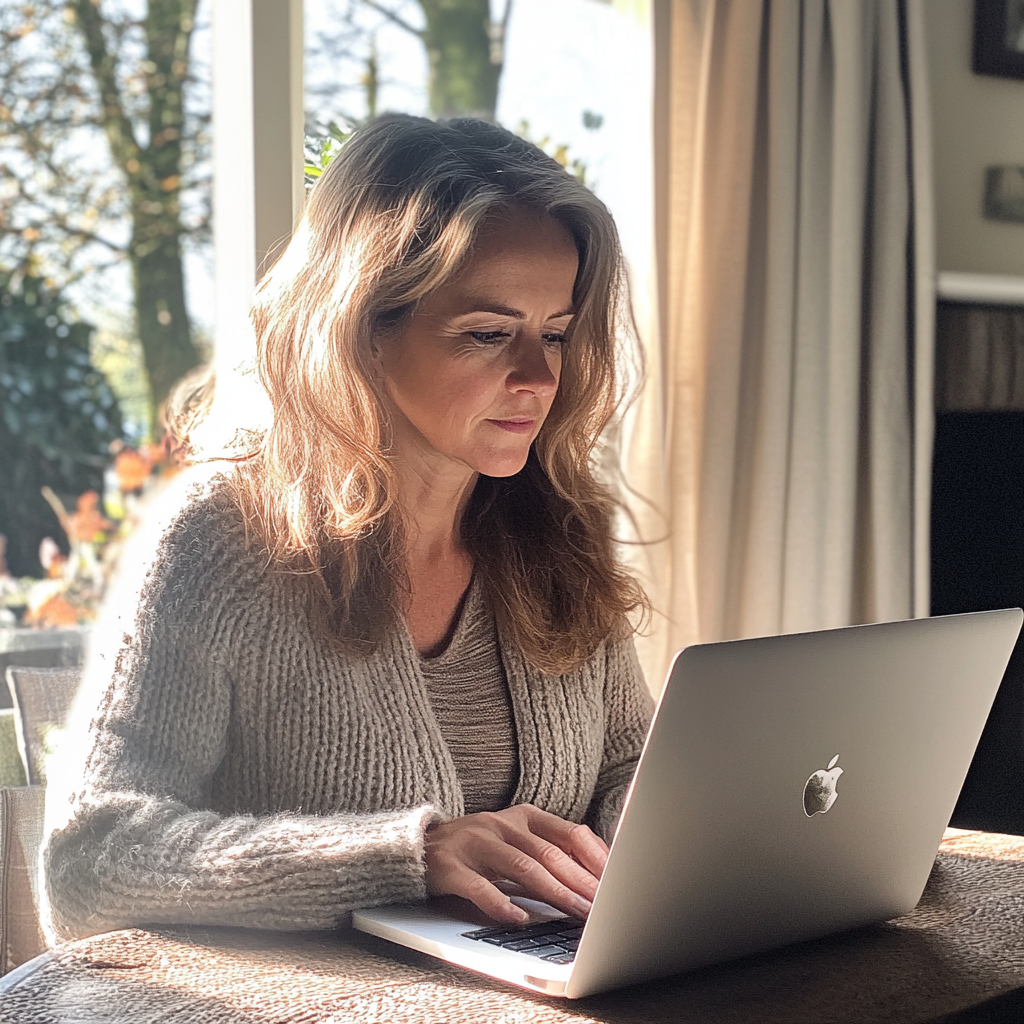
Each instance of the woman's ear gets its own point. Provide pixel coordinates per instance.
(376, 358)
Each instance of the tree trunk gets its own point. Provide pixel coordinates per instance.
(463, 76)
(164, 328)
(162, 316)
(153, 173)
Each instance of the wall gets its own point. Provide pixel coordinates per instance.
(977, 121)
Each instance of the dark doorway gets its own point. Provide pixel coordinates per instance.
(977, 550)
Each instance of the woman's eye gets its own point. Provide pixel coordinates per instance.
(554, 339)
(489, 337)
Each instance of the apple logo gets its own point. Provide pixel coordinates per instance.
(820, 789)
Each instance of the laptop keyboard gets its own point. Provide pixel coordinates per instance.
(554, 941)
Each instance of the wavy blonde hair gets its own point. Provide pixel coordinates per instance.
(393, 217)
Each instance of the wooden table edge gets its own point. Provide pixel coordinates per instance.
(17, 975)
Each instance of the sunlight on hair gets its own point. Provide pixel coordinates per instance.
(236, 419)
(291, 262)
(393, 218)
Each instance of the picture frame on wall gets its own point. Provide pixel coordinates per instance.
(1004, 194)
(999, 38)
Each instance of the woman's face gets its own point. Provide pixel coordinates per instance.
(472, 376)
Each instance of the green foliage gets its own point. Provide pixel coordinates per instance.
(58, 416)
(560, 151)
(117, 354)
(319, 153)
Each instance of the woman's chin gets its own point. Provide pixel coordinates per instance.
(506, 464)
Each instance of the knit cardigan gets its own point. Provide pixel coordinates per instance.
(235, 768)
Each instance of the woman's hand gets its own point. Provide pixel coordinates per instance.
(553, 860)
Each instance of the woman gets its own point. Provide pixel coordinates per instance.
(387, 655)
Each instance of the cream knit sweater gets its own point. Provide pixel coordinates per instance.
(241, 771)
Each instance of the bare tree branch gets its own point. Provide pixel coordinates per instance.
(115, 121)
(498, 34)
(394, 18)
(80, 234)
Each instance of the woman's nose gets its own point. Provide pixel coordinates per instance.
(532, 370)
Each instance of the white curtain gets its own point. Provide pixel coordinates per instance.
(783, 440)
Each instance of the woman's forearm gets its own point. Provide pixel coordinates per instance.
(135, 860)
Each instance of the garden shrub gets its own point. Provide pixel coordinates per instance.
(58, 416)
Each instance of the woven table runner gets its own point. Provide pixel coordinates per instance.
(964, 944)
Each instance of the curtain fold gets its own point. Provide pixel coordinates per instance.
(780, 437)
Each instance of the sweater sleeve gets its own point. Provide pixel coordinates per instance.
(138, 843)
(628, 710)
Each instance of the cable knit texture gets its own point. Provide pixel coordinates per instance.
(469, 694)
(241, 770)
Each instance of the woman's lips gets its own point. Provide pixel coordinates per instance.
(516, 426)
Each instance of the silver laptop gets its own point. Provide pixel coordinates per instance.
(789, 787)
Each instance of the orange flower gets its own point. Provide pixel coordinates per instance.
(154, 454)
(132, 468)
(55, 611)
(86, 521)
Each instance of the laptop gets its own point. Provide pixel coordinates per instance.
(789, 787)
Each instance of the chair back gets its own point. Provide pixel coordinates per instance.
(12, 766)
(21, 836)
(42, 698)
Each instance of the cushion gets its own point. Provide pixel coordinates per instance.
(42, 697)
(21, 834)
(12, 768)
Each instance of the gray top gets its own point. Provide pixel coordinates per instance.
(236, 767)
(469, 694)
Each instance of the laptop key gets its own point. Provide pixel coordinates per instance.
(543, 931)
(570, 944)
(486, 933)
(560, 958)
(543, 951)
(541, 928)
(571, 933)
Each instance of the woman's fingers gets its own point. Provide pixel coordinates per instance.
(552, 860)
(464, 859)
(556, 862)
(451, 853)
(544, 876)
(488, 897)
(576, 840)
(590, 850)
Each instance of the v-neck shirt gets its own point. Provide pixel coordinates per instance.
(469, 694)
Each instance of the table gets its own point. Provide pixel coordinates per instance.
(959, 957)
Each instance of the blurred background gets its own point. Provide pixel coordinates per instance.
(107, 267)
(851, 450)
